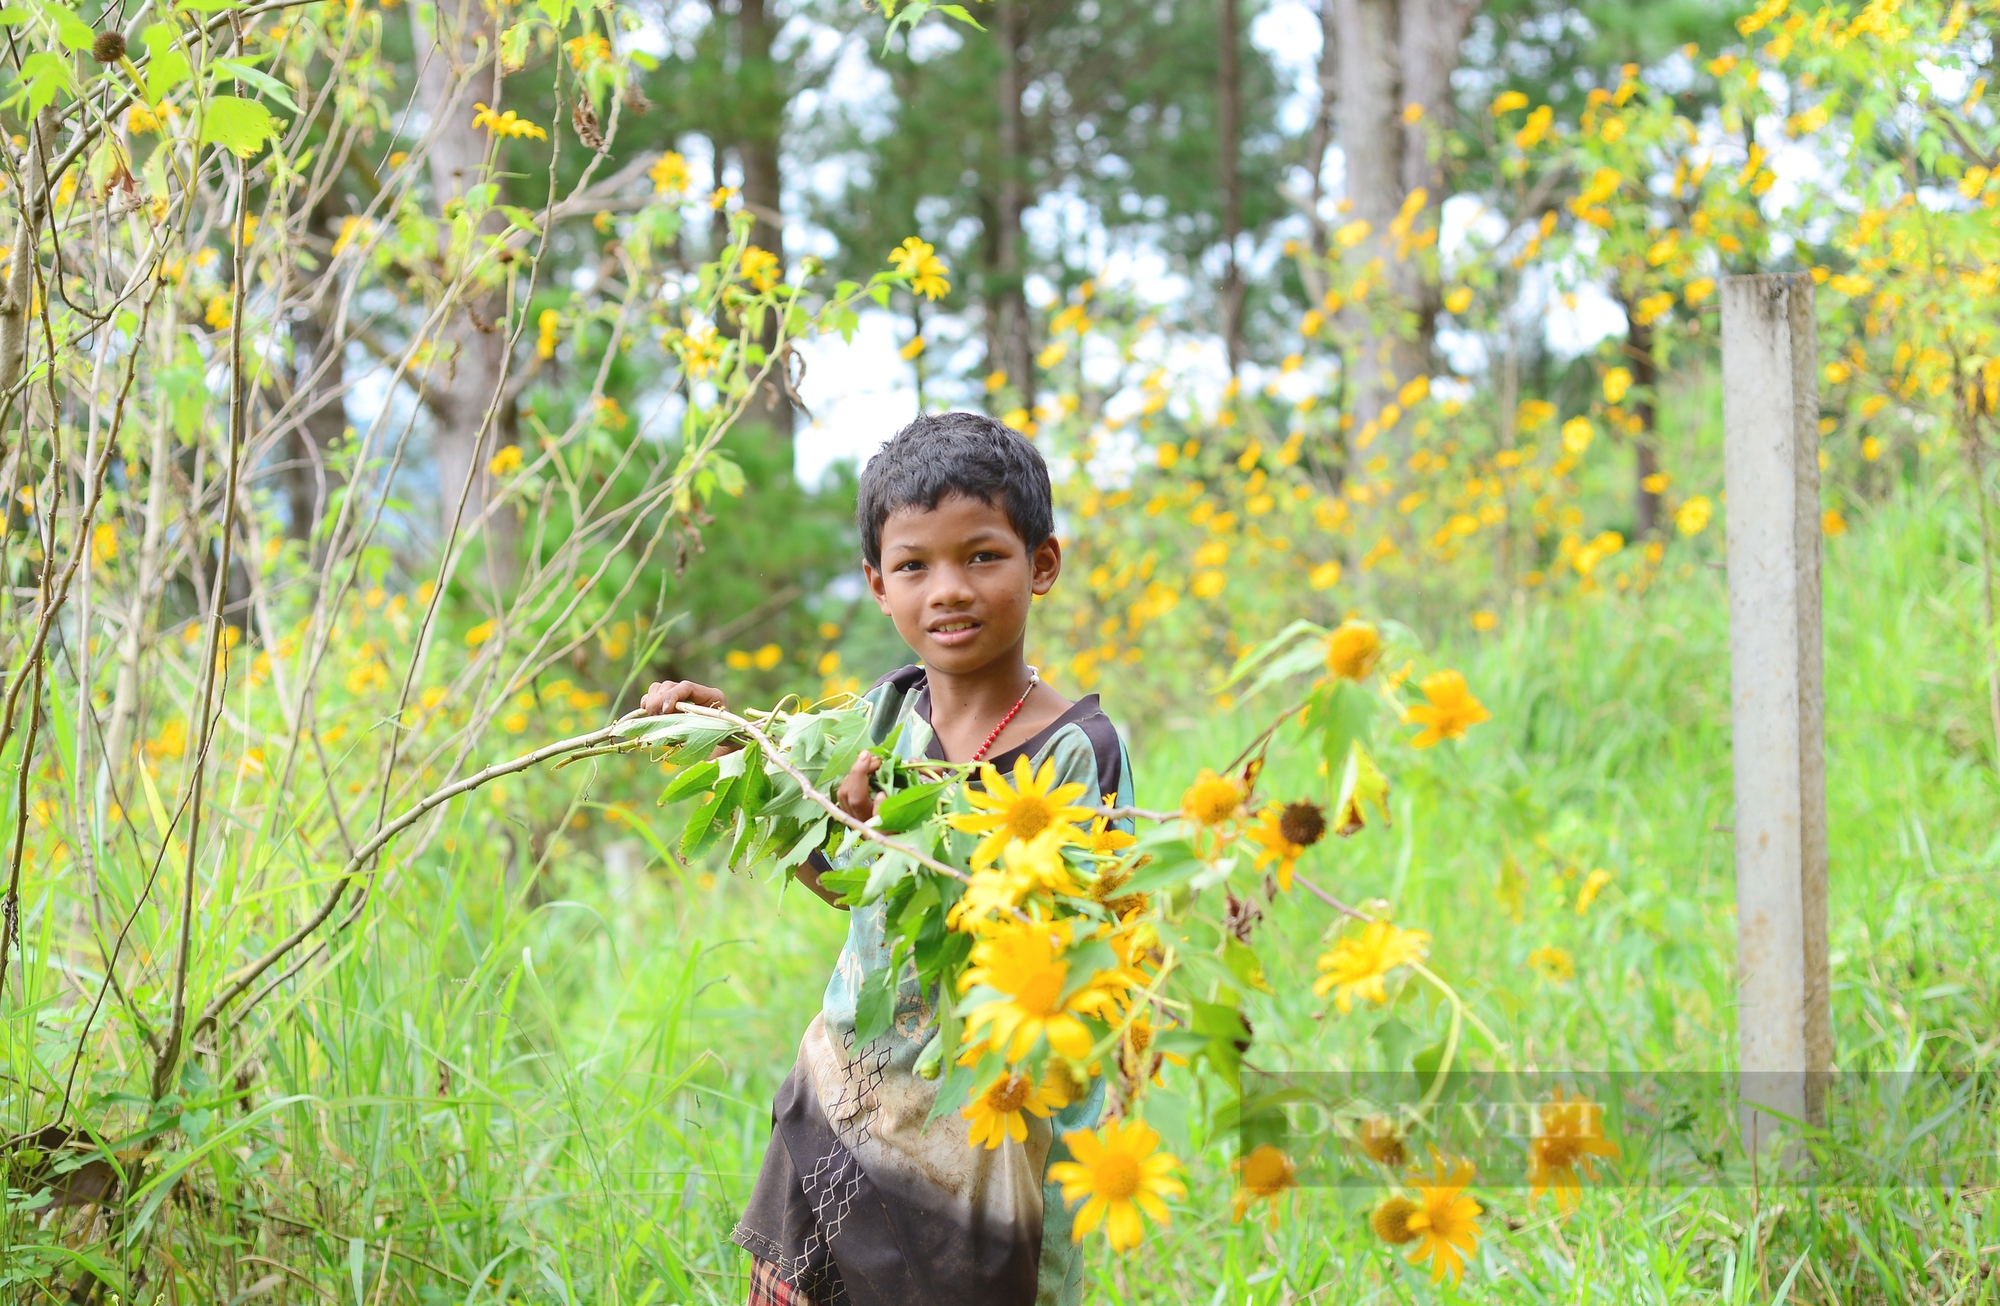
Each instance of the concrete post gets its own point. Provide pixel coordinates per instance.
(1770, 407)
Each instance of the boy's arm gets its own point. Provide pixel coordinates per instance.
(809, 871)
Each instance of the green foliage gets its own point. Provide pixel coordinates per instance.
(1122, 116)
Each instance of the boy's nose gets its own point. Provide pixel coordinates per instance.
(951, 587)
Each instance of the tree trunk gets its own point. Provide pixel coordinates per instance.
(463, 387)
(1009, 340)
(1645, 376)
(1393, 53)
(760, 118)
(1229, 126)
(1371, 142)
(1316, 146)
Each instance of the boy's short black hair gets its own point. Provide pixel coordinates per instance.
(942, 454)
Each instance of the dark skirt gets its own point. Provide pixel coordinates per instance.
(826, 1230)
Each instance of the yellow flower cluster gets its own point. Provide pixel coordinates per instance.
(508, 124)
(918, 260)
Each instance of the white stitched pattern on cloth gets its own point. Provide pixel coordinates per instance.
(835, 1179)
(860, 1076)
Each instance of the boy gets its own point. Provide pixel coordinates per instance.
(857, 1201)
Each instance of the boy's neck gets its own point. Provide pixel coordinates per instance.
(965, 707)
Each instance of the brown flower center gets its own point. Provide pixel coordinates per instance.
(1391, 1220)
(1302, 824)
(1006, 1097)
(1028, 818)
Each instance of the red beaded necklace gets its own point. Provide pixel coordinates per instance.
(1033, 677)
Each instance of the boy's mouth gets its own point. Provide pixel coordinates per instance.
(958, 630)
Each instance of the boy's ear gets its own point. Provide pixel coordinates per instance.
(1046, 565)
(875, 587)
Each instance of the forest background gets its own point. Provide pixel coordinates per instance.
(388, 393)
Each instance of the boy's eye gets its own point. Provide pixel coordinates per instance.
(986, 555)
(912, 565)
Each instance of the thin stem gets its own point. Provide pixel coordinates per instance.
(1328, 898)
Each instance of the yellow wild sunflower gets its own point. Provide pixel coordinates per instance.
(1137, 946)
(1569, 1136)
(918, 260)
(1105, 839)
(996, 1113)
(1213, 800)
(1357, 966)
(1119, 1172)
(1444, 1220)
(1035, 803)
(1024, 964)
(1282, 835)
(1352, 650)
(761, 268)
(1025, 869)
(1450, 711)
(1265, 1175)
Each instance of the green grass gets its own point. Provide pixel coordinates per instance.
(560, 1093)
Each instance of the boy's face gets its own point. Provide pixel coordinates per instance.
(957, 581)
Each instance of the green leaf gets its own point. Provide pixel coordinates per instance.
(812, 838)
(847, 886)
(709, 820)
(846, 736)
(1174, 864)
(1426, 1064)
(238, 125)
(959, 12)
(694, 780)
(1396, 1039)
(1342, 713)
(1244, 964)
(729, 477)
(1258, 654)
(875, 1005)
(1362, 785)
(70, 30)
(44, 76)
(909, 808)
(167, 69)
(884, 874)
(1228, 1038)
(257, 77)
(939, 949)
(755, 786)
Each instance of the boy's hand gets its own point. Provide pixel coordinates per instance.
(666, 696)
(856, 798)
